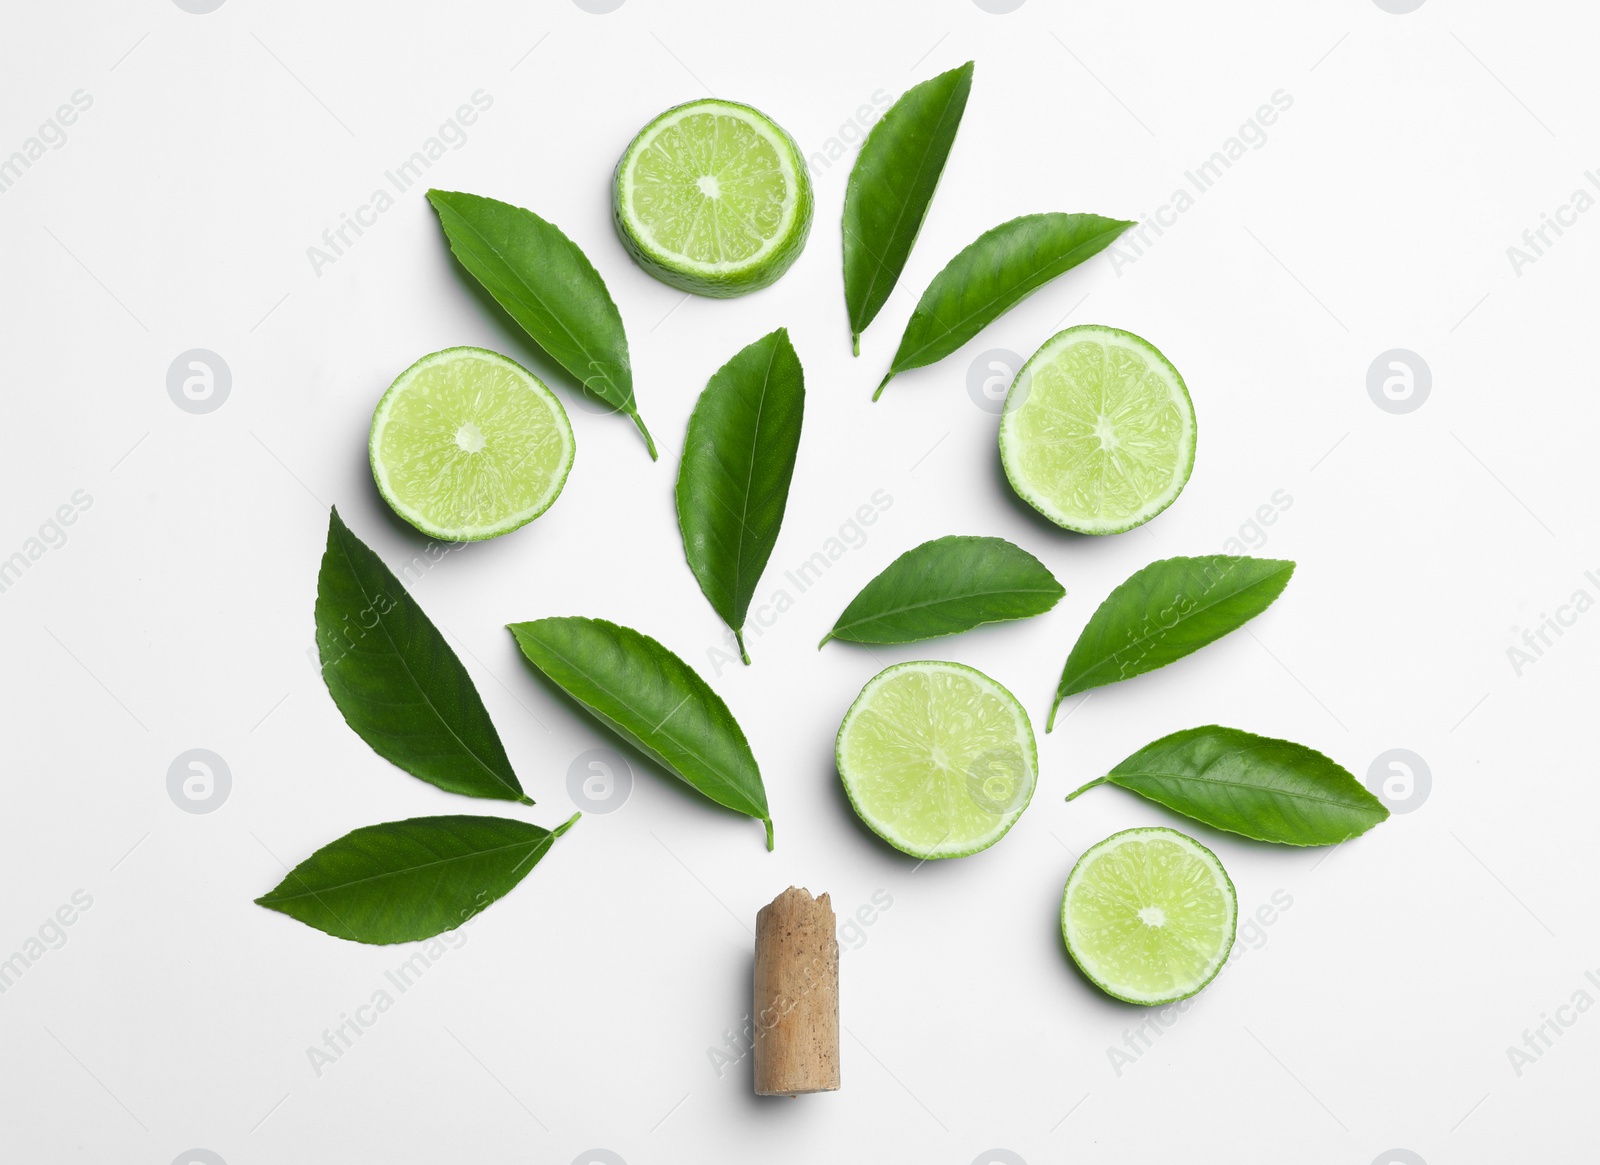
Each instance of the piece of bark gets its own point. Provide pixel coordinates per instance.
(796, 996)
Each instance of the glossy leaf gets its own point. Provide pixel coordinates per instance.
(547, 284)
(733, 481)
(1164, 612)
(1271, 790)
(891, 186)
(948, 585)
(409, 880)
(653, 700)
(396, 680)
(991, 276)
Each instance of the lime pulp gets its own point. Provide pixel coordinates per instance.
(937, 758)
(1098, 431)
(1148, 914)
(713, 197)
(467, 444)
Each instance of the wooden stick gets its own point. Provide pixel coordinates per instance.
(796, 996)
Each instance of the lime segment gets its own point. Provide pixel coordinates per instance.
(468, 444)
(1098, 431)
(713, 197)
(1148, 914)
(937, 758)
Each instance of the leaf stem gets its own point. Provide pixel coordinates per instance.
(767, 821)
(525, 800)
(738, 637)
(823, 640)
(565, 825)
(1090, 785)
(649, 441)
(1050, 720)
(855, 343)
(883, 384)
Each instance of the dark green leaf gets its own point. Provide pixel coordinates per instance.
(1271, 790)
(995, 273)
(890, 188)
(547, 284)
(948, 585)
(1164, 612)
(409, 880)
(653, 700)
(733, 481)
(396, 680)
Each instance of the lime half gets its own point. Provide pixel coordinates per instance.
(1148, 914)
(937, 759)
(1098, 431)
(713, 197)
(467, 444)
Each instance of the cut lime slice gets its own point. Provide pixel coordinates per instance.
(1098, 431)
(937, 758)
(713, 197)
(467, 444)
(1148, 915)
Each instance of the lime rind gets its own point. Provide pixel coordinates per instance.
(1145, 438)
(931, 794)
(1182, 949)
(437, 488)
(782, 239)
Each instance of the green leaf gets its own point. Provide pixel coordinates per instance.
(1271, 790)
(396, 680)
(948, 585)
(1164, 612)
(890, 188)
(995, 273)
(408, 880)
(547, 284)
(733, 481)
(653, 700)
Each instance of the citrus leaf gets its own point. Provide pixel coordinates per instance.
(409, 880)
(733, 480)
(396, 681)
(653, 700)
(891, 186)
(547, 284)
(991, 276)
(948, 585)
(1165, 611)
(1271, 790)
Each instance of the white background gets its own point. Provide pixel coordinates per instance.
(1375, 1012)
